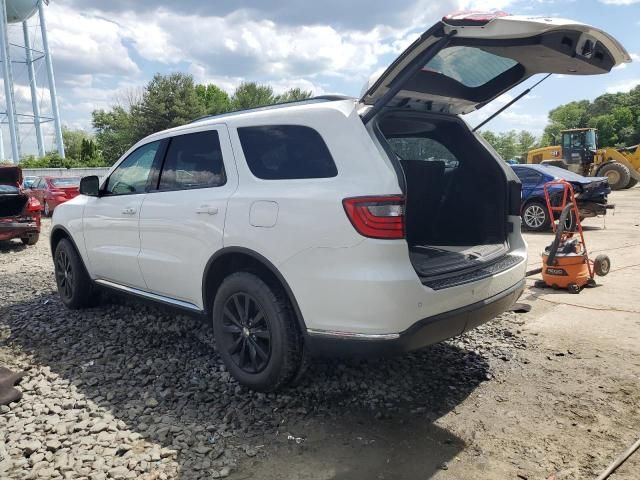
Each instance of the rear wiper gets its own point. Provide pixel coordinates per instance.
(526, 92)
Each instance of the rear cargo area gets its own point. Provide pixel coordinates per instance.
(12, 204)
(456, 193)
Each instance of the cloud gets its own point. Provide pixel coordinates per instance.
(619, 2)
(623, 86)
(82, 44)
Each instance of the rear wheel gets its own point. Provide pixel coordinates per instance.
(632, 183)
(31, 239)
(256, 333)
(74, 284)
(618, 175)
(535, 217)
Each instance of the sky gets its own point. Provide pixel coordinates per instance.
(104, 51)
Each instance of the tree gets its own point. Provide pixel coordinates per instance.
(615, 115)
(116, 132)
(526, 141)
(81, 149)
(168, 101)
(251, 95)
(293, 94)
(213, 98)
(73, 141)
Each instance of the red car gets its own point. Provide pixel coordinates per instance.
(19, 212)
(52, 191)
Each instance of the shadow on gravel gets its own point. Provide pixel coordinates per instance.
(158, 372)
(11, 246)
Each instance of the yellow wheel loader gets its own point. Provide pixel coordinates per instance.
(579, 153)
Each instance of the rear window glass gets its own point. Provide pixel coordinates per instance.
(9, 189)
(285, 152)
(528, 175)
(422, 148)
(193, 161)
(65, 182)
(469, 65)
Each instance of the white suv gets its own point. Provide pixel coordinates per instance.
(332, 226)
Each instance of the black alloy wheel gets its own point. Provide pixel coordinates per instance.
(74, 284)
(64, 275)
(247, 332)
(256, 332)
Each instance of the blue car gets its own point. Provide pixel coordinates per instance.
(591, 194)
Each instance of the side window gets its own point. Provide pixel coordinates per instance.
(193, 160)
(132, 174)
(286, 152)
(423, 148)
(528, 176)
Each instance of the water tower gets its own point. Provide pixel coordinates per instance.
(15, 12)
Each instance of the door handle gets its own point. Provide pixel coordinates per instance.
(129, 211)
(208, 209)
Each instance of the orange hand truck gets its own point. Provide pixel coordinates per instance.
(566, 263)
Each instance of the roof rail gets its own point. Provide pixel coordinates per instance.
(318, 99)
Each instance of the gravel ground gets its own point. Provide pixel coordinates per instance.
(127, 390)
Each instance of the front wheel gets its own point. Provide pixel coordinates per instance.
(256, 333)
(617, 174)
(73, 281)
(535, 217)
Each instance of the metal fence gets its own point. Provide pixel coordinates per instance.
(64, 172)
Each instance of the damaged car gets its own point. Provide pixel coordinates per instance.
(19, 212)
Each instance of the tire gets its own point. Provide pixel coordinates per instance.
(31, 239)
(602, 265)
(535, 216)
(570, 224)
(618, 175)
(74, 284)
(261, 349)
(632, 183)
(47, 211)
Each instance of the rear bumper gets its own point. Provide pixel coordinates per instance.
(425, 332)
(14, 229)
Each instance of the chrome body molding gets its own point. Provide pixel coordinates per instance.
(150, 296)
(353, 336)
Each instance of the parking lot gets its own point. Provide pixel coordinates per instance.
(131, 391)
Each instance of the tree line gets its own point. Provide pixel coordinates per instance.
(166, 101)
(175, 99)
(615, 115)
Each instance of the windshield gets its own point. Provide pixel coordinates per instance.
(65, 182)
(470, 66)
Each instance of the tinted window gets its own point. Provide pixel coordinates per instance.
(193, 161)
(132, 174)
(284, 152)
(468, 65)
(422, 148)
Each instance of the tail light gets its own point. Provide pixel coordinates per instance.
(377, 217)
(33, 205)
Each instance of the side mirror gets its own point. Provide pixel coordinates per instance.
(90, 186)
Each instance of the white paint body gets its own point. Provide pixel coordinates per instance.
(341, 281)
